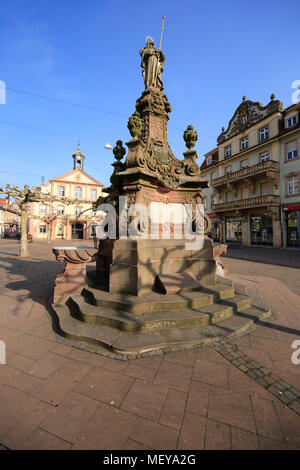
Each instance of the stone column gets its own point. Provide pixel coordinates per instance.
(276, 228)
(245, 230)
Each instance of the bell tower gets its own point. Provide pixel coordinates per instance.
(78, 158)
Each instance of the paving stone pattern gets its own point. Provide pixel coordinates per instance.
(242, 393)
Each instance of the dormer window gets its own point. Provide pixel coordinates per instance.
(228, 151)
(209, 160)
(244, 143)
(291, 121)
(244, 119)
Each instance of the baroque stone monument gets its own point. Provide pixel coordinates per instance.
(154, 287)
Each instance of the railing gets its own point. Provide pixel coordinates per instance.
(251, 170)
(250, 202)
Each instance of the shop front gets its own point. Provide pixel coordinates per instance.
(261, 229)
(292, 226)
(214, 232)
(233, 230)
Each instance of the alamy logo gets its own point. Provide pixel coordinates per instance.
(296, 355)
(296, 94)
(2, 352)
(2, 92)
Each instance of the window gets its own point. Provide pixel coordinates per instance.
(291, 121)
(61, 190)
(213, 175)
(94, 193)
(61, 210)
(228, 170)
(244, 119)
(293, 185)
(43, 209)
(78, 192)
(60, 231)
(212, 201)
(228, 151)
(77, 211)
(244, 143)
(43, 229)
(291, 150)
(264, 189)
(93, 213)
(264, 133)
(264, 157)
(209, 160)
(244, 164)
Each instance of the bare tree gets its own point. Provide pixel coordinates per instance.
(25, 196)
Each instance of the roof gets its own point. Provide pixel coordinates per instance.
(215, 158)
(74, 172)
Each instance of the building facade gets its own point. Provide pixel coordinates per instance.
(254, 178)
(67, 221)
(10, 218)
(290, 177)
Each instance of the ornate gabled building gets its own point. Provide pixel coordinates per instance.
(245, 180)
(289, 148)
(66, 221)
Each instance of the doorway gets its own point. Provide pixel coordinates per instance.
(77, 231)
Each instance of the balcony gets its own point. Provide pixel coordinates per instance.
(246, 172)
(245, 203)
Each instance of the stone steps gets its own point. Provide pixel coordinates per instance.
(137, 342)
(153, 301)
(125, 321)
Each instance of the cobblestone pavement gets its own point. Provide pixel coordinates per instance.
(238, 395)
(283, 264)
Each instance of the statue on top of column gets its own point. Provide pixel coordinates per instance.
(153, 61)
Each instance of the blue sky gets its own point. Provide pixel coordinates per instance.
(87, 52)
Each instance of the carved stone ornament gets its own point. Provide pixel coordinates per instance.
(135, 125)
(119, 151)
(246, 115)
(190, 137)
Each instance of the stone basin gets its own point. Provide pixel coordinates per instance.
(73, 278)
(74, 254)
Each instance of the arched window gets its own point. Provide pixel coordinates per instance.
(77, 211)
(78, 192)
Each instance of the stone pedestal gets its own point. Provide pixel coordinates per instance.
(73, 278)
(135, 264)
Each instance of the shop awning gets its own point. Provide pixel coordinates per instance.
(296, 207)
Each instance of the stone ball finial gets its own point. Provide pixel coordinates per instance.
(244, 98)
(272, 97)
(119, 151)
(190, 137)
